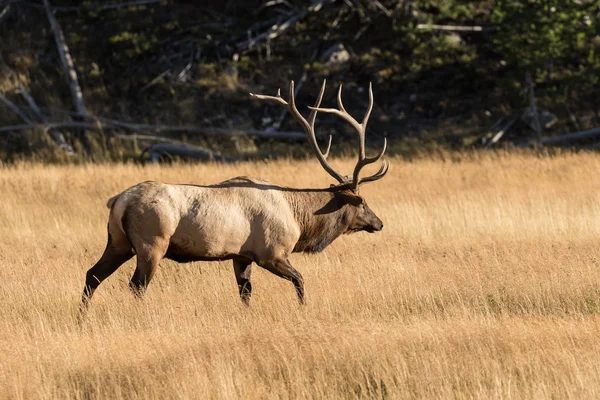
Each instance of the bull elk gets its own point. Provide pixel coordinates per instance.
(242, 219)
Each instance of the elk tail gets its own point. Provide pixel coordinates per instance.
(111, 202)
(117, 205)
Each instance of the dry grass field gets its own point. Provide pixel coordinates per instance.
(484, 283)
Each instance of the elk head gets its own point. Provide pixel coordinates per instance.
(362, 218)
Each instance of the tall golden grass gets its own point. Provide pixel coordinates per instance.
(484, 283)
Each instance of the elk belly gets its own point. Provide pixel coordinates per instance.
(217, 236)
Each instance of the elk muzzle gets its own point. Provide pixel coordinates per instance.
(375, 227)
(370, 222)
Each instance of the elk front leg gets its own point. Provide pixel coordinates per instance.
(243, 270)
(282, 268)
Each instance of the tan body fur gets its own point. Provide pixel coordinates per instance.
(205, 223)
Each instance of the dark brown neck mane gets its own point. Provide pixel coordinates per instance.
(322, 218)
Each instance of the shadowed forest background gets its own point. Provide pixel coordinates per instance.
(446, 74)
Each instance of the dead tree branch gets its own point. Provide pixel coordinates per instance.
(4, 12)
(94, 7)
(14, 108)
(498, 135)
(115, 125)
(31, 102)
(56, 135)
(278, 29)
(456, 28)
(123, 4)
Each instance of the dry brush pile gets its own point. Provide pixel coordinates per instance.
(484, 282)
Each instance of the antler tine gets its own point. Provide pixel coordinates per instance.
(378, 156)
(313, 113)
(360, 129)
(326, 154)
(313, 116)
(363, 160)
(309, 126)
(385, 165)
(342, 113)
(339, 99)
(369, 109)
(294, 110)
(366, 161)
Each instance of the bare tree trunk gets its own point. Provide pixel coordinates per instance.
(536, 119)
(70, 73)
(67, 61)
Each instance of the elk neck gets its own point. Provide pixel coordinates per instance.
(321, 216)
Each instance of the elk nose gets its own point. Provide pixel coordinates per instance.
(377, 226)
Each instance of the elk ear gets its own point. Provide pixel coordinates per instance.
(351, 198)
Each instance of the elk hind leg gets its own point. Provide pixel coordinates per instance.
(284, 269)
(243, 270)
(116, 253)
(147, 260)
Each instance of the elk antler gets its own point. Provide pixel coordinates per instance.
(360, 129)
(309, 126)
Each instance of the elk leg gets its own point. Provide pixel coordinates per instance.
(147, 261)
(282, 268)
(113, 257)
(243, 270)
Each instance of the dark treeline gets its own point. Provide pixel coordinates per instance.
(445, 73)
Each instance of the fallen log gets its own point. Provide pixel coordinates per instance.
(200, 153)
(161, 139)
(210, 131)
(586, 134)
